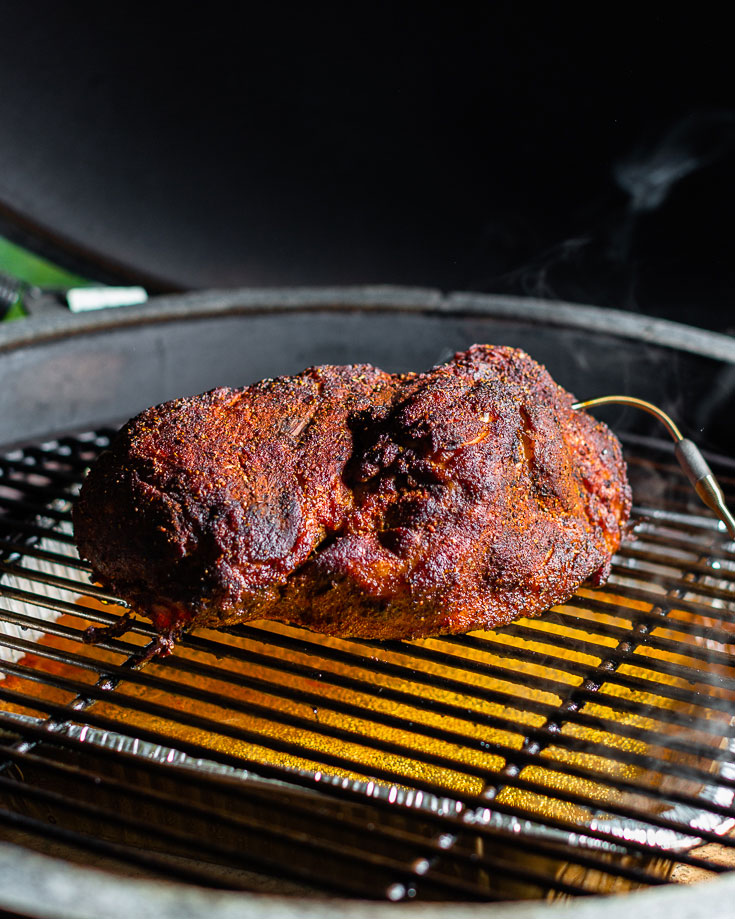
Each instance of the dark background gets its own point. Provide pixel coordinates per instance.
(585, 156)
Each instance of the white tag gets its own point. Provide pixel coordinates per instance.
(83, 299)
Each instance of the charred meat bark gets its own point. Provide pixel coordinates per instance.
(359, 503)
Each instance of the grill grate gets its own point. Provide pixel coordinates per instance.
(590, 750)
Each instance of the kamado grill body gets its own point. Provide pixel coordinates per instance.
(382, 801)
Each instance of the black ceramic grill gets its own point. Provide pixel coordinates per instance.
(589, 751)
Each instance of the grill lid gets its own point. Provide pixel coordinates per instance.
(373, 148)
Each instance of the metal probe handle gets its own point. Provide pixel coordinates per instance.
(687, 453)
(704, 482)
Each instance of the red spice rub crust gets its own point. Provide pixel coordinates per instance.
(359, 503)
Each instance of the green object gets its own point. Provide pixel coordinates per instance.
(34, 270)
(16, 311)
(18, 263)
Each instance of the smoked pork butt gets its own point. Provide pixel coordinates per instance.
(359, 503)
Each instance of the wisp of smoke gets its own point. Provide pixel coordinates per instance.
(649, 173)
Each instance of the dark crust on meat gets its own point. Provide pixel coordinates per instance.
(359, 503)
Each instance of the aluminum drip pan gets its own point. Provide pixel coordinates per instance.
(627, 830)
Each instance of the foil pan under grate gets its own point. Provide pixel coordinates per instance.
(599, 736)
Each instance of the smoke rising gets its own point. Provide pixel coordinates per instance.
(648, 174)
(634, 236)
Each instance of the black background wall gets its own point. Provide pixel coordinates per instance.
(582, 155)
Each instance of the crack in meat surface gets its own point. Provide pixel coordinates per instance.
(359, 503)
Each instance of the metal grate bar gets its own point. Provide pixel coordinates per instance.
(716, 552)
(710, 655)
(203, 645)
(650, 620)
(538, 734)
(427, 654)
(669, 583)
(26, 530)
(649, 596)
(712, 634)
(387, 775)
(352, 860)
(545, 734)
(692, 524)
(20, 469)
(425, 846)
(10, 547)
(243, 655)
(343, 880)
(55, 580)
(346, 790)
(694, 566)
(33, 491)
(581, 669)
(676, 535)
(126, 854)
(28, 508)
(214, 648)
